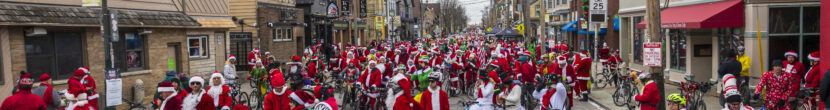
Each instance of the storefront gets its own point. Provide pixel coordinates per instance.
(789, 26)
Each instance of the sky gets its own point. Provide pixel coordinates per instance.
(472, 8)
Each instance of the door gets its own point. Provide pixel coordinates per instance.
(240, 45)
(174, 55)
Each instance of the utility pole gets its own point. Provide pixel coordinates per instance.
(106, 25)
(526, 19)
(653, 27)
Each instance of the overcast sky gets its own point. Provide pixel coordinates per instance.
(472, 8)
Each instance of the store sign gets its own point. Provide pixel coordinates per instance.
(362, 8)
(332, 10)
(91, 3)
(379, 22)
(651, 54)
(345, 7)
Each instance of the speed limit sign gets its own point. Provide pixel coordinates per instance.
(598, 10)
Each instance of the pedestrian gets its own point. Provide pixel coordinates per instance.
(198, 99)
(511, 96)
(675, 102)
(812, 77)
(776, 84)
(219, 91)
(746, 63)
(650, 96)
(172, 100)
(23, 99)
(731, 94)
(277, 99)
(230, 70)
(89, 85)
(50, 97)
(75, 87)
(583, 74)
(435, 98)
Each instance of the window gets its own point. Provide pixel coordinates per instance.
(57, 54)
(130, 53)
(637, 39)
(197, 46)
(282, 34)
(677, 38)
(793, 28)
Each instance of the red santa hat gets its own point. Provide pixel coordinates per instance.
(814, 56)
(80, 72)
(44, 77)
(295, 58)
(790, 53)
(494, 76)
(561, 60)
(231, 57)
(278, 80)
(256, 50)
(314, 58)
(166, 86)
(494, 64)
(197, 79)
(215, 75)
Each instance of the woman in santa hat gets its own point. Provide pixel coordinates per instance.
(219, 91)
(198, 99)
(277, 99)
(230, 70)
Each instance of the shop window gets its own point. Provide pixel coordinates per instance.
(131, 53)
(282, 34)
(58, 54)
(793, 28)
(677, 38)
(637, 39)
(197, 46)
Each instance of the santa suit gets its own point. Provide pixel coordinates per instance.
(350, 71)
(219, 93)
(23, 100)
(613, 61)
(277, 100)
(402, 100)
(513, 97)
(527, 72)
(569, 74)
(583, 70)
(454, 69)
(371, 78)
(312, 69)
(797, 71)
(252, 57)
(303, 99)
(437, 99)
(88, 81)
(172, 102)
(603, 56)
(437, 61)
(649, 97)
(813, 77)
(198, 101)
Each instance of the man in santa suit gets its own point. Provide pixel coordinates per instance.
(566, 70)
(304, 99)
(435, 98)
(583, 74)
(219, 91)
(198, 99)
(603, 54)
(796, 68)
(350, 58)
(437, 59)
(277, 99)
(252, 57)
(312, 67)
(410, 67)
(456, 65)
(349, 72)
(24, 99)
(89, 85)
(370, 79)
(813, 76)
(525, 69)
(385, 67)
(172, 101)
(650, 96)
(76, 88)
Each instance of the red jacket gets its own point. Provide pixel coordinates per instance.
(174, 103)
(23, 100)
(527, 71)
(649, 98)
(426, 100)
(277, 102)
(583, 69)
(224, 98)
(812, 77)
(797, 71)
(205, 101)
(312, 69)
(370, 80)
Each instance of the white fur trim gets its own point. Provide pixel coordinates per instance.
(791, 53)
(583, 78)
(197, 79)
(280, 92)
(92, 97)
(211, 80)
(297, 99)
(166, 89)
(163, 103)
(84, 69)
(812, 58)
(603, 60)
(454, 79)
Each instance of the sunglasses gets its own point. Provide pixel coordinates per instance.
(195, 83)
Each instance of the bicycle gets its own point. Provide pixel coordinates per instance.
(603, 78)
(257, 93)
(694, 91)
(808, 101)
(627, 89)
(134, 105)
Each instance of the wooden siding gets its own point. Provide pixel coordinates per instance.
(206, 7)
(244, 9)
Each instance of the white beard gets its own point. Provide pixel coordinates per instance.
(214, 92)
(192, 100)
(293, 69)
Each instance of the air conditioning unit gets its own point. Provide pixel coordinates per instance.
(35, 31)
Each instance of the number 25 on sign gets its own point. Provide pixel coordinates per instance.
(651, 54)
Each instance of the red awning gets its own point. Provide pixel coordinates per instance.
(729, 13)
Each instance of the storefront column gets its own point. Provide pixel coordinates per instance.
(825, 31)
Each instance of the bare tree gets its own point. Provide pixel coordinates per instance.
(452, 16)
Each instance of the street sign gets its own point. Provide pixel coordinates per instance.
(651, 54)
(599, 9)
(90, 3)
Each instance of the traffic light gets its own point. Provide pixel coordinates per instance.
(585, 7)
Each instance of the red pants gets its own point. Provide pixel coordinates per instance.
(581, 87)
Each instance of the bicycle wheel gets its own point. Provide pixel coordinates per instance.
(252, 83)
(253, 97)
(601, 80)
(619, 96)
(700, 105)
(243, 99)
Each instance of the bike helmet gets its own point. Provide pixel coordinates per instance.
(676, 98)
(434, 76)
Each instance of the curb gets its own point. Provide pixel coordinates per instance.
(600, 105)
